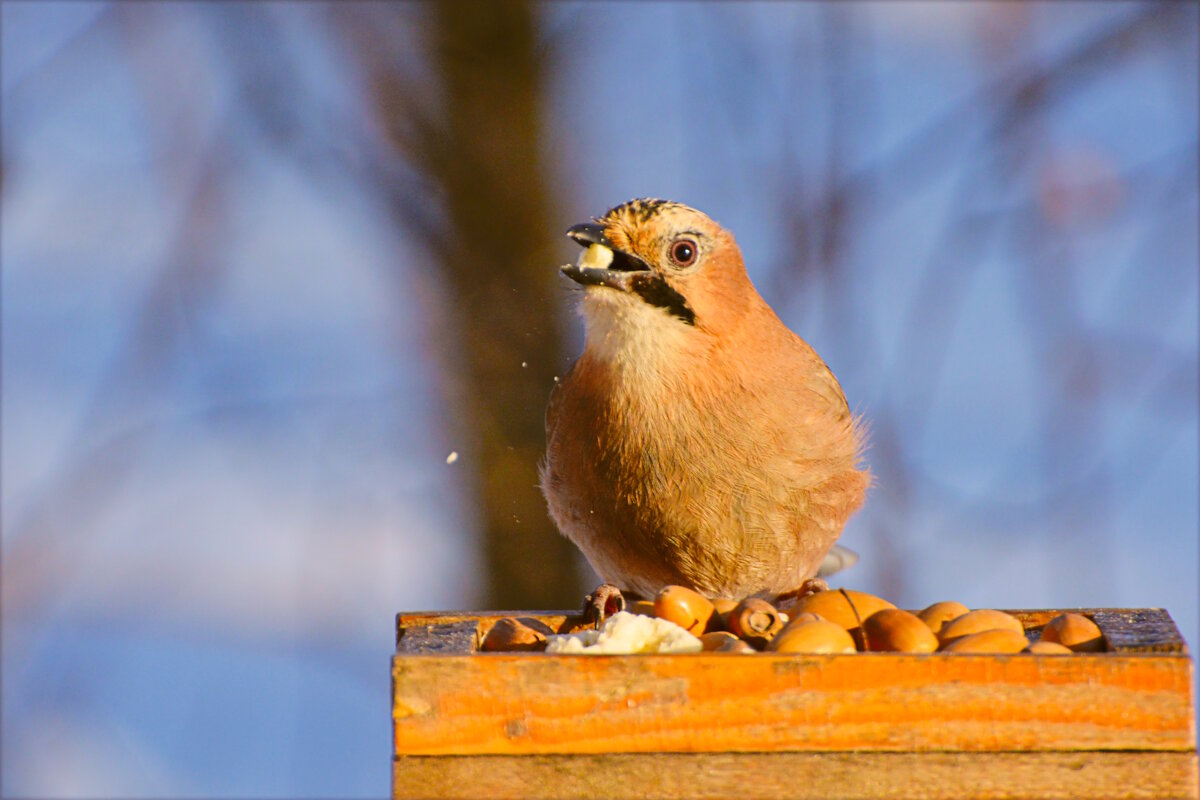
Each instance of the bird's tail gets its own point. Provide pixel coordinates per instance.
(837, 559)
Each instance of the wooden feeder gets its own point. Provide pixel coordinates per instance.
(1113, 724)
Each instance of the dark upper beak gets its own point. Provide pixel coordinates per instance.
(586, 233)
(589, 233)
(627, 272)
(617, 274)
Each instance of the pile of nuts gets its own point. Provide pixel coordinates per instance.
(833, 621)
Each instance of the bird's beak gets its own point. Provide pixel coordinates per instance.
(589, 233)
(601, 264)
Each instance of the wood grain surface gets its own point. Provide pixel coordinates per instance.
(800, 776)
(718, 702)
(450, 700)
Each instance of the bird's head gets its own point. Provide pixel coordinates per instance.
(654, 267)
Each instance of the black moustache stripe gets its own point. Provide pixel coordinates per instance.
(655, 291)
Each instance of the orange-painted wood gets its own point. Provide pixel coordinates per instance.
(458, 702)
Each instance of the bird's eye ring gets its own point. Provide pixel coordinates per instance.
(683, 252)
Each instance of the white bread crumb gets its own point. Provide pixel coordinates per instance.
(625, 633)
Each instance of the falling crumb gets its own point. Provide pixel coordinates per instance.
(556, 379)
(450, 459)
(524, 364)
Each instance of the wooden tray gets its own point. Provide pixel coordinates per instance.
(1113, 724)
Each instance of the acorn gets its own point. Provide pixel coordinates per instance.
(977, 621)
(812, 636)
(509, 634)
(724, 642)
(1076, 632)
(688, 609)
(755, 621)
(938, 614)
(1045, 648)
(895, 630)
(996, 640)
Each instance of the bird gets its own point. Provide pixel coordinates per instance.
(696, 440)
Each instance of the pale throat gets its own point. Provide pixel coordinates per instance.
(641, 340)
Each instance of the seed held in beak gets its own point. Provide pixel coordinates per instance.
(596, 256)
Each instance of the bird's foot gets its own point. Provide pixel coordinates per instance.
(602, 604)
(810, 586)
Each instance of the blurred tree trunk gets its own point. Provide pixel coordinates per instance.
(482, 151)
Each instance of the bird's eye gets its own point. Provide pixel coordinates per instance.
(683, 252)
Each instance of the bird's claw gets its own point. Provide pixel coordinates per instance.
(810, 586)
(602, 604)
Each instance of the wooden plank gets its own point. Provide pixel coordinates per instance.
(504, 703)
(759, 776)
(1127, 630)
(556, 621)
(458, 636)
(1141, 630)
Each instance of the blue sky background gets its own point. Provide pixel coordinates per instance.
(206, 535)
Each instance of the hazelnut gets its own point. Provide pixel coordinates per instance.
(724, 642)
(723, 605)
(812, 636)
(509, 633)
(977, 621)
(644, 608)
(844, 607)
(892, 629)
(720, 618)
(1074, 631)
(997, 640)
(688, 609)
(938, 614)
(1047, 648)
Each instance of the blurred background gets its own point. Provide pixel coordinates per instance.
(267, 266)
